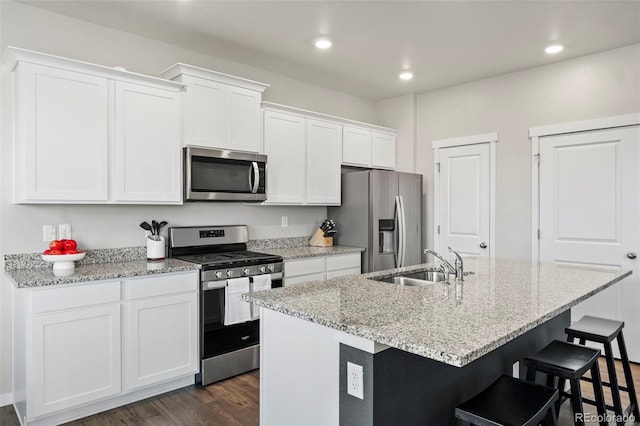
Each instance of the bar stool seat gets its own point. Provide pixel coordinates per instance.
(511, 402)
(567, 361)
(604, 331)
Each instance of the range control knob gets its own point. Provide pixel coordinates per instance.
(229, 273)
(272, 268)
(219, 274)
(262, 269)
(246, 271)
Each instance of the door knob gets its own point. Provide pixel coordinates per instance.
(483, 245)
(632, 255)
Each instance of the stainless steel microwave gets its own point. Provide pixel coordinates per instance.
(221, 175)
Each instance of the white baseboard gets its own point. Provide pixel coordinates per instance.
(6, 399)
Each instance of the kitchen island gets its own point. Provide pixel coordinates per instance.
(423, 349)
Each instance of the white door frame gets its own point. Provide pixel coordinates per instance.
(535, 133)
(492, 140)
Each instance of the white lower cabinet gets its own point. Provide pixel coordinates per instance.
(160, 333)
(83, 348)
(321, 268)
(76, 356)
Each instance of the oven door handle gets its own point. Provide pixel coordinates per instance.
(217, 285)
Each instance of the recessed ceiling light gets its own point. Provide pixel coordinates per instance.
(323, 43)
(554, 48)
(405, 75)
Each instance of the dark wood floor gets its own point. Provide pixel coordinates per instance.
(233, 402)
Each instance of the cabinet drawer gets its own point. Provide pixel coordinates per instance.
(312, 265)
(57, 299)
(303, 279)
(343, 273)
(343, 261)
(160, 285)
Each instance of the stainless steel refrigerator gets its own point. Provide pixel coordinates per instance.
(382, 212)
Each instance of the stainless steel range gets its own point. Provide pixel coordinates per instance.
(229, 328)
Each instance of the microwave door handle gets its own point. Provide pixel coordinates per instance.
(256, 180)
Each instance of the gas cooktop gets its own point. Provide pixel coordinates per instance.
(217, 259)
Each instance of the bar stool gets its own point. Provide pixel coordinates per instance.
(604, 331)
(510, 401)
(567, 361)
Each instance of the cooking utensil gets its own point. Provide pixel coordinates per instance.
(154, 227)
(161, 225)
(146, 227)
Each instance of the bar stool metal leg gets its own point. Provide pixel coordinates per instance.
(576, 402)
(627, 377)
(613, 380)
(599, 395)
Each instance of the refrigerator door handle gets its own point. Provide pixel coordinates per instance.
(403, 233)
(398, 232)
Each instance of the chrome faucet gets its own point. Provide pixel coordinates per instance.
(458, 265)
(457, 270)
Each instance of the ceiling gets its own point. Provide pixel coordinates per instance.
(444, 43)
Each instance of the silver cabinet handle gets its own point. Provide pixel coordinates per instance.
(483, 245)
(632, 255)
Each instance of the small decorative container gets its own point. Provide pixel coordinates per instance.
(155, 249)
(63, 264)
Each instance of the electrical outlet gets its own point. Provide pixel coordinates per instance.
(355, 384)
(285, 221)
(64, 231)
(49, 233)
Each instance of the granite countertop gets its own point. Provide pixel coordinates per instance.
(455, 323)
(29, 270)
(289, 253)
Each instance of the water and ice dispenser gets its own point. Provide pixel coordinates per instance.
(386, 230)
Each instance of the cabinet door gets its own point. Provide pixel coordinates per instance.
(75, 357)
(324, 157)
(147, 145)
(205, 113)
(160, 339)
(61, 145)
(356, 146)
(284, 143)
(244, 121)
(383, 150)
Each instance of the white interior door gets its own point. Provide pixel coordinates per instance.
(590, 214)
(463, 216)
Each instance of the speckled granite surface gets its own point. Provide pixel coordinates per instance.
(309, 251)
(455, 324)
(39, 277)
(272, 243)
(34, 260)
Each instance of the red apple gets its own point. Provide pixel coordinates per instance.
(69, 245)
(56, 245)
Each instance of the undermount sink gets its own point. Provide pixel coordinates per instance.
(417, 278)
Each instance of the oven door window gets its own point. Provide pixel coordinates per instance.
(218, 339)
(221, 175)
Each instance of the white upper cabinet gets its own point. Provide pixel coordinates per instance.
(285, 147)
(221, 111)
(89, 134)
(61, 144)
(356, 146)
(368, 148)
(324, 152)
(383, 150)
(303, 157)
(146, 148)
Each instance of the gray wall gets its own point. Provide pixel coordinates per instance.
(594, 86)
(117, 226)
